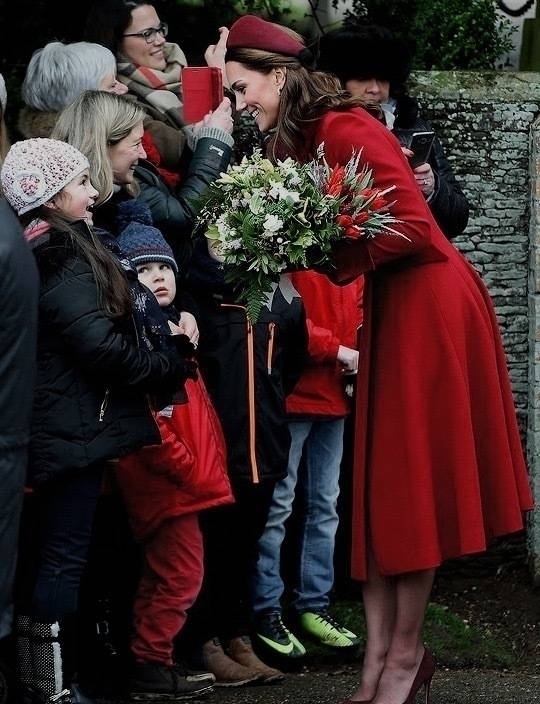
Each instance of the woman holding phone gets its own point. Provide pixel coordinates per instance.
(103, 125)
(374, 65)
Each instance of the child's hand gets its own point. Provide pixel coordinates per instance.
(188, 326)
(215, 250)
(348, 359)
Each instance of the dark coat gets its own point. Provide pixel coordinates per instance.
(248, 368)
(18, 296)
(448, 204)
(19, 285)
(93, 379)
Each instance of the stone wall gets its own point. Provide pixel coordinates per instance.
(488, 123)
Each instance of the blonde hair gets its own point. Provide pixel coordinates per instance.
(93, 122)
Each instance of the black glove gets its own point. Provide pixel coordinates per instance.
(189, 370)
(183, 346)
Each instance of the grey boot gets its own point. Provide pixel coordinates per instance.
(24, 656)
(43, 675)
(46, 654)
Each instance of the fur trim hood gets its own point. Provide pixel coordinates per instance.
(35, 123)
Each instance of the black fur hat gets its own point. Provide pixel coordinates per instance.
(364, 52)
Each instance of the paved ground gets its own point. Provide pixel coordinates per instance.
(448, 687)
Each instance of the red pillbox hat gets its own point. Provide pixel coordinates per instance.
(251, 32)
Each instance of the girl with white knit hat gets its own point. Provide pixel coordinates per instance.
(94, 383)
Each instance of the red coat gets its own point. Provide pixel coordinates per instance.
(185, 474)
(333, 314)
(439, 466)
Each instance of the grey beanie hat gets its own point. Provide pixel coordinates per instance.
(139, 241)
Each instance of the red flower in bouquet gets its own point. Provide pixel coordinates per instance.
(334, 186)
(362, 210)
(352, 225)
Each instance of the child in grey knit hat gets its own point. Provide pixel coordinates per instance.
(165, 488)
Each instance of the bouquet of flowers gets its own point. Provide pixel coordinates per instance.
(262, 219)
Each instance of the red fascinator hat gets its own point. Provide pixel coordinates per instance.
(251, 32)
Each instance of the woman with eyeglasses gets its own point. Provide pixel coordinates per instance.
(150, 67)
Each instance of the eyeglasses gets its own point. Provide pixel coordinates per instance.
(149, 35)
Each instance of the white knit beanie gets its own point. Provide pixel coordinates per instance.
(3, 93)
(35, 170)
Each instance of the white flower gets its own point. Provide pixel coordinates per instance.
(272, 223)
(223, 226)
(279, 191)
(235, 245)
(29, 184)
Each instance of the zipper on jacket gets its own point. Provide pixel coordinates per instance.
(251, 402)
(270, 351)
(103, 406)
(252, 433)
(137, 340)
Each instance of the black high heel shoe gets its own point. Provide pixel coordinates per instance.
(423, 678)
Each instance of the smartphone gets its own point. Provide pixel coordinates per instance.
(202, 91)
(421, 144)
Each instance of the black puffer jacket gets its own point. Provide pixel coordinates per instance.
(248, 368)
(93, 379)
(448, 204)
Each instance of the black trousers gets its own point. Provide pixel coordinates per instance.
(231, 534)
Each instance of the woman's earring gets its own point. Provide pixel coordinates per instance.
(279, 90)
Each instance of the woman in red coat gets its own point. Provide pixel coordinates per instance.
(439, 467)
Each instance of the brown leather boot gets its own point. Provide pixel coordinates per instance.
(228, 672)
(241, 650)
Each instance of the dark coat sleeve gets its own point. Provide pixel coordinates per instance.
(174, 212)
(296, 350)
(101, 345)
(449, 205)
(19, 297)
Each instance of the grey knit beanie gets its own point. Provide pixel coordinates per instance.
(139, 241)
